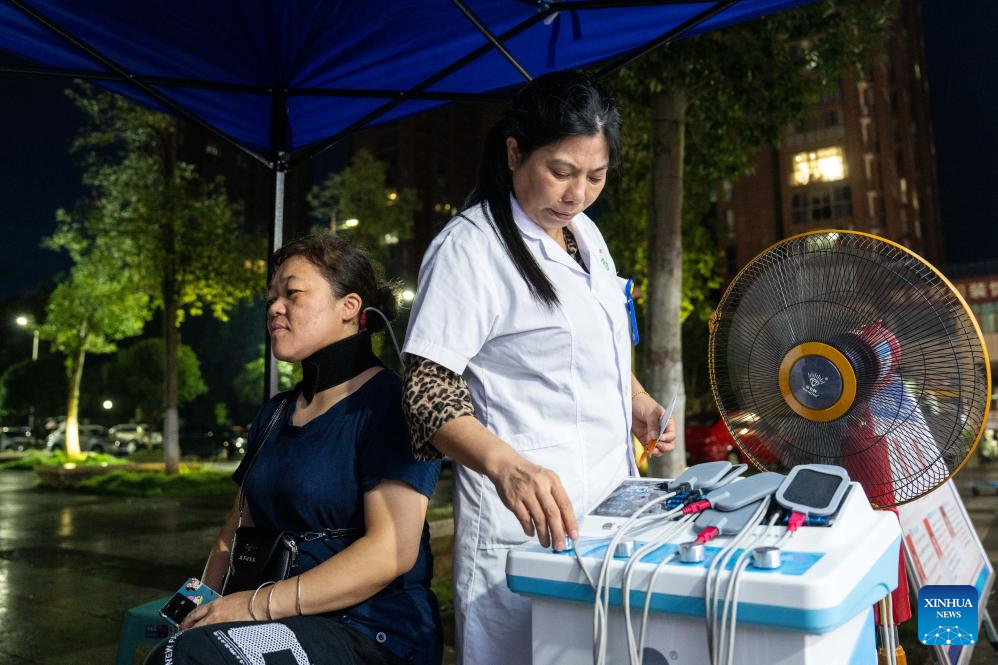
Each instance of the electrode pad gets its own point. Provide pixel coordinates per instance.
(813, 489)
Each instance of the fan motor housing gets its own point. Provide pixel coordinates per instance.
(817, 381)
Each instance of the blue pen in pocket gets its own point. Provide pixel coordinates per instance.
(631, 317)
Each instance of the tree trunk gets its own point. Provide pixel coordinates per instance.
(664, 359)
(74, 375)
(171, 433)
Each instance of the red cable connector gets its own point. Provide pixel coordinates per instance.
(707, 534)
(696, 507)
(796, 521)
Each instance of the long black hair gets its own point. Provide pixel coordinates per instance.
(548, 109)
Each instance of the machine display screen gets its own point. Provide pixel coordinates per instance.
(628, 497)
(811, 488)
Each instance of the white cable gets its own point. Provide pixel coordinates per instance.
(644, 613)
(712, 581)
(726, 642)
(716, 652)
(734, 614)
(892, 652)
(667, 534)
(786, 536)
(735, 581)
(717, 565)
(602, 600)
(388, 327)
(599, 617)
(604, 581)
(592, 583)
(744, 543)
(663, 538)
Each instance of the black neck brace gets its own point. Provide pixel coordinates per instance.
(337, 363)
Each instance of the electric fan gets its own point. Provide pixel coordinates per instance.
(840, 347)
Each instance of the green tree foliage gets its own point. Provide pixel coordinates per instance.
(694, 113)
(248, 384)
(745, 84)
(136, 377)
(186, 248)
(360, 191)
(97, 304)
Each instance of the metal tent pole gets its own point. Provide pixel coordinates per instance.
(271, 385)
(279, 135)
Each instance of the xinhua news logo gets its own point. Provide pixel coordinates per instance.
(947, 614)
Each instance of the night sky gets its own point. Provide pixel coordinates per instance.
(37, 174)
(963, 92)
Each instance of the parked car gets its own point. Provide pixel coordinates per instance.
(708, 440)
(93, 439)
(18, 438)
(141, 434)
(218, 443)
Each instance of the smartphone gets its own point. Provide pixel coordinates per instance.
(191, 594)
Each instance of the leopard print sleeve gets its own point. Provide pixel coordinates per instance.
(432, 395)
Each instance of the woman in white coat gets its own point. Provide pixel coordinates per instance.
(519, 354)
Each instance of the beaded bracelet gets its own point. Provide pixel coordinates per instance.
(640, 393)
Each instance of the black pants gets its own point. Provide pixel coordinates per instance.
(308, 640)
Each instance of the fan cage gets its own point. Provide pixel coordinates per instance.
(914, 424)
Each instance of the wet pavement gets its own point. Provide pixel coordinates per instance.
(71, 564)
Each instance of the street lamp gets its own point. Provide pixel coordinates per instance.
(408, 295)
(24, 322)
(107, 404)
(335, 225)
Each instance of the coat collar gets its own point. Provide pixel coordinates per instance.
(552, 250)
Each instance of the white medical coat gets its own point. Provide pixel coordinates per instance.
(554, 383)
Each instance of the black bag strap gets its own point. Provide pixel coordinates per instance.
(278, 413)
(308, 536)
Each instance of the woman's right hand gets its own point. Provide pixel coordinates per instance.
(536, 496)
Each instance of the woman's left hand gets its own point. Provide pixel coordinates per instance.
(646, 415)
(234, 607)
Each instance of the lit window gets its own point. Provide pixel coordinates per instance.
(823, 165)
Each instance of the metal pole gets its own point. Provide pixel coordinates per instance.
(279, 133)
(34, 345)
(492, 39)
(271, 377)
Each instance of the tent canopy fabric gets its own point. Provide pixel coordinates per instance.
(284, 79)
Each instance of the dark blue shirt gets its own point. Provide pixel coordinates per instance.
(314, 477)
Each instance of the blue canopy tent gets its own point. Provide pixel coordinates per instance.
(284, 80)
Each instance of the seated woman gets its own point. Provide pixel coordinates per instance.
(339, 459)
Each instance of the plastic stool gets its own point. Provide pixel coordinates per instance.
(142, 623)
